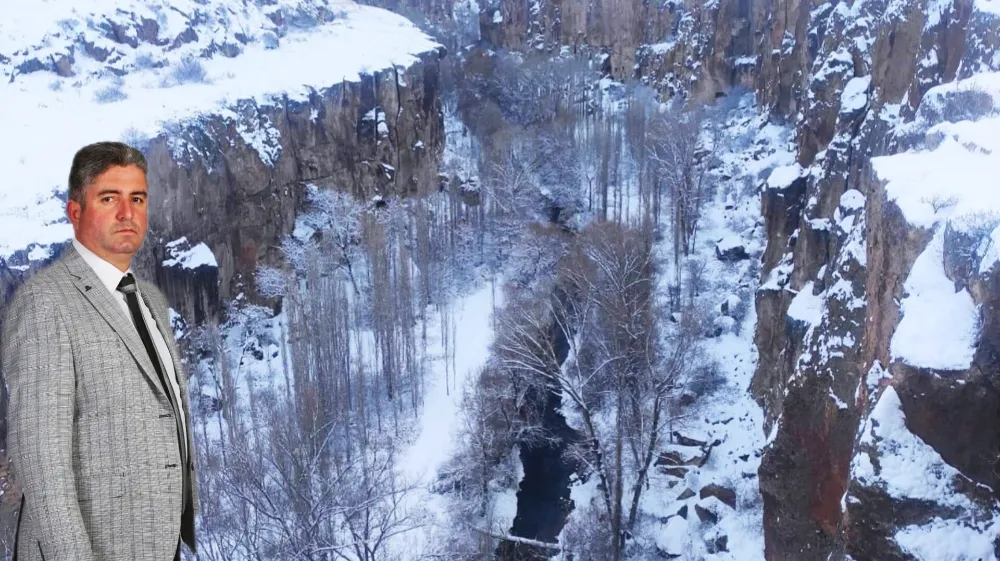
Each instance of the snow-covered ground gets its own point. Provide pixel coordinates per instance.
(939, 328)
(182, 254)
(447, 375)
(729, 416)
(954, 175)
(46, 118)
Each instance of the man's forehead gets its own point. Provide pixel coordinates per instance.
(117, 179)
(121, 172)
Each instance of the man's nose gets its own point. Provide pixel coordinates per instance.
(125, 210)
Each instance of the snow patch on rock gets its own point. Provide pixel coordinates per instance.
(939, 328)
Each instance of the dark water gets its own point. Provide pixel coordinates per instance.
(543, 501)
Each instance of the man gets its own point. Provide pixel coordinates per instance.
(99, 426)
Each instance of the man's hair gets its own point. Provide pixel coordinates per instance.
(94, 159)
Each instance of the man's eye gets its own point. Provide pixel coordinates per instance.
(107, 199)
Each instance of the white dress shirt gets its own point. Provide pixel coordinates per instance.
(110, 276)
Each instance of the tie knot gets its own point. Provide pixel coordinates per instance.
(127, 284)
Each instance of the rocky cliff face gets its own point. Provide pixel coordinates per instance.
(846, 404)
(235, 181)
(382, 136)
(227, 180)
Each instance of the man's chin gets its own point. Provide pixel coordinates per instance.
(123, 248)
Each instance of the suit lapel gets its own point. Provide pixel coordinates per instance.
(87, 282)
(166, 331)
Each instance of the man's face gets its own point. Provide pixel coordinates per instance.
(112, 222)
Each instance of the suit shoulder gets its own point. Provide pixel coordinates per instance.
(38, 287)
(48, 282)
(34, 301)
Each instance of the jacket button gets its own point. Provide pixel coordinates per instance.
(170, 465)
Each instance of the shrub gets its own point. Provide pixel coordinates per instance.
(110, 94)
(145, 61)
(189, 70)
(967, 104)
(939, 202)
(739, 312)
(979, 224)
(269, 39)
(706, 380)
(271, 281)
(749, 187)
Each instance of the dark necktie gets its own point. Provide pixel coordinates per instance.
(128, 288)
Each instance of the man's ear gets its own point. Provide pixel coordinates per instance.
(73, 211)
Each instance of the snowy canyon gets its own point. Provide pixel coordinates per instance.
(552, 279)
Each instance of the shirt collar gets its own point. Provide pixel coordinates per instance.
(109, 275)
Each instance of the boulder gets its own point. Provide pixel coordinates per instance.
(683, 456)
(706, 515)
(723, 324)
(685, 441)
(731, 248)
(679, 471)
(726, 495)
(718, 545)
(727, 306)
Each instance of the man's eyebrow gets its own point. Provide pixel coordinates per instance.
(119, 192)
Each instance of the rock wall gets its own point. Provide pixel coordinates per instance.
(214, 182)
(236, 180)
(847, 76)
(689, 46)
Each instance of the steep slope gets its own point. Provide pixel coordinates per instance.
(235, 109)
(243, 110)
(857, 295)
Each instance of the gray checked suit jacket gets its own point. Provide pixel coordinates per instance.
(92, 438)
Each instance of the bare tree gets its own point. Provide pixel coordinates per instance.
(511, 184)
(675, 148)
(596, 342)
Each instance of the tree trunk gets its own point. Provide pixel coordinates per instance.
(654, 436)
(616, 517)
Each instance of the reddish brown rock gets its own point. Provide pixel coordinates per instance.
(727, 496)
(219, 191)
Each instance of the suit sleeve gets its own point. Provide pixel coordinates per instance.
(37, 364)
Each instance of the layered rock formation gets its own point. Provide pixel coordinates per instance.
(232, 176)
(380, 136)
